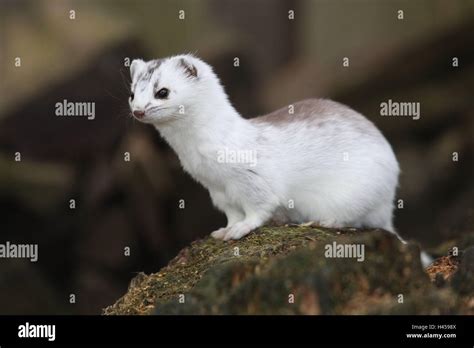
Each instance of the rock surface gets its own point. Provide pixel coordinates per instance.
(287, 270)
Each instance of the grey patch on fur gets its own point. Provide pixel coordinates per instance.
(189, 69)
(303, 110)
(151, 68)
(316, 113)
(153, 65)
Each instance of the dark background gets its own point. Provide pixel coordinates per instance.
(136, 204)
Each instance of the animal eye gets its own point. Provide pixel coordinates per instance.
(162, 93)
(132, 95)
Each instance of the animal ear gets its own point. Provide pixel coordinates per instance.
(188, 67)
(136, 66)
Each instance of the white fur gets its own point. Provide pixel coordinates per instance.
(339, 173)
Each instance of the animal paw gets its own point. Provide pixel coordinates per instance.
(330, 223)
(237, 231)
(308, 224)
(220, 233)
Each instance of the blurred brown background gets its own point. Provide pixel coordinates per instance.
(136, 204)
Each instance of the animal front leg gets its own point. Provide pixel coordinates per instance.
(256, 207)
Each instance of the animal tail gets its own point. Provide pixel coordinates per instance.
(425, 258)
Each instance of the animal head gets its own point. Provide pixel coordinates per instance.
(164, 90)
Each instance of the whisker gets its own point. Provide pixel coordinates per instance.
(125, 80)
(156, 108)
(113, 96)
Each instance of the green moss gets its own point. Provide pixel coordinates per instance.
(284, 270)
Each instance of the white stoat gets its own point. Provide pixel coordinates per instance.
(314, 160)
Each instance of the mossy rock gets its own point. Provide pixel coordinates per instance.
(285, 270)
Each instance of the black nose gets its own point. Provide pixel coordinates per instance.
(138, 113)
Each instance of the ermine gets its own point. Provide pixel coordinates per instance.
(314, 160)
